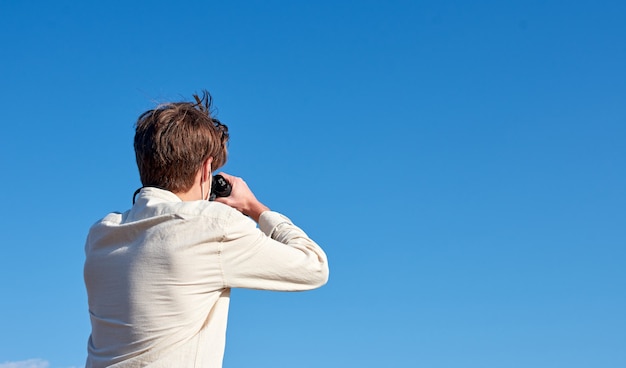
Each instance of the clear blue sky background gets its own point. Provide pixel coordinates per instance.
(463, 163)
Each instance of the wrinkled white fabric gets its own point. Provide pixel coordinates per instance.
(158, 277)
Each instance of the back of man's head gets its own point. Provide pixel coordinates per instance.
(173, 140)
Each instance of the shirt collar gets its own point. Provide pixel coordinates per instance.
(147, 194)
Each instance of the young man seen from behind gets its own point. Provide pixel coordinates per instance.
(159, 275)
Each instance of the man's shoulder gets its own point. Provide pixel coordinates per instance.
(114, 217)
(202, 209)
(204, 214)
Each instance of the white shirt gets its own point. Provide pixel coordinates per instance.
(158, 277)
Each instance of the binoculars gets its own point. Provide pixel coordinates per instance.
(220, 187)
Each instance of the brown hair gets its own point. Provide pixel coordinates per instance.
(173, 140)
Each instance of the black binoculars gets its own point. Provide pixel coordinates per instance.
(220, 187)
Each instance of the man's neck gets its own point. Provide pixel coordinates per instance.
(194, 194)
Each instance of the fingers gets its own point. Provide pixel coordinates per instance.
(233, 180)
(240, 193)
(241, 198)
(226, 176)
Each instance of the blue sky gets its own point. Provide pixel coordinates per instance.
(462, 163)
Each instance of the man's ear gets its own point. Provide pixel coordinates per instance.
(207, 169)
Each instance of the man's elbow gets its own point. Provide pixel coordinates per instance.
(320, 277)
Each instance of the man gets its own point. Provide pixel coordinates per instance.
(159, 275)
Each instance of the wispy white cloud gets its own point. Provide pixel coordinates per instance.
(30, 363)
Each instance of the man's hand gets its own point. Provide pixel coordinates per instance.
(242, 199)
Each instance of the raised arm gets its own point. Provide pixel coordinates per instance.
(276, 256)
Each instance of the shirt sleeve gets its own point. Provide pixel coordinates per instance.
(277, 255)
